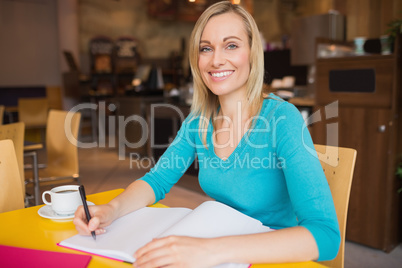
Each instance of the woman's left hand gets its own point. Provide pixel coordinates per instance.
(175, 251)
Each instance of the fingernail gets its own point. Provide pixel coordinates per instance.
(100, 231)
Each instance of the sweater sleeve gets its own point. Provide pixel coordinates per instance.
(174, 162)
(307, 186)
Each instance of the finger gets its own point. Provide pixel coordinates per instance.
(154, 244)
(80, 222)
(85, 229)
(160, 257)
(93, 224)
(100, 231)
(165, 261)
(159, 252)
(79, 212)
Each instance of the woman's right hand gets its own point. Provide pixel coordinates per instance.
(101, 216)
(137, 195)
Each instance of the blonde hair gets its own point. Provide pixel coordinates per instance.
(205, 103)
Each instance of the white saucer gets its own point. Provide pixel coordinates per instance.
(48, 213)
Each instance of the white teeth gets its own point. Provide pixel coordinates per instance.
(221, 74)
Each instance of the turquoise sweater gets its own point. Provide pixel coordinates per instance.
(273, 175)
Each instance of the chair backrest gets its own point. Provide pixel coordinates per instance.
(15, 132)
(54, 97)
(61, 146)
(11, 196)
(338, 164)
(33, 111)
(1, 114)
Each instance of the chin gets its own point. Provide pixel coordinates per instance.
(219, 90)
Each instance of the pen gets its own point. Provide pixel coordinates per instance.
(84, 203)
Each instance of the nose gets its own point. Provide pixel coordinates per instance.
(218, 58)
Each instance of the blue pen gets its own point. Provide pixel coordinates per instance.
(84, 203)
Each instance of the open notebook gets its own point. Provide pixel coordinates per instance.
(129, 233)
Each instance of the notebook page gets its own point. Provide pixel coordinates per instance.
(213, 219)
(128, 233)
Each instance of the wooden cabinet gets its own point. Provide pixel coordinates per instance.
(369, 120)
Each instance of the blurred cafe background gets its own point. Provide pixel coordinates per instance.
(338, 61)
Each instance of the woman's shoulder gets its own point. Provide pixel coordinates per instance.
(274, 105)
(192, 121)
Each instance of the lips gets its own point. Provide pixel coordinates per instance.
(220, 75)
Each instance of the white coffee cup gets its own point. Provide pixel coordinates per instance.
(64, 199)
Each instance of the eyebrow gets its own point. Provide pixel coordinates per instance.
(231, 37)
(224, 39)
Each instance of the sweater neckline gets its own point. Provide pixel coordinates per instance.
(244, 142)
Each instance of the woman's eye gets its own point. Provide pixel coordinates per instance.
(205, 49)
(232, 46)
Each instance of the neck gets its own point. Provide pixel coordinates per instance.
(234, 109)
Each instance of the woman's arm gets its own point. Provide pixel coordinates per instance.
(306, 183)
(293, 244)
(147, 190)
(137, 195)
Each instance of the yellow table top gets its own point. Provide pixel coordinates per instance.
(25, 228)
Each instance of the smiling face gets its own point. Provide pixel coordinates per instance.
(224, 55)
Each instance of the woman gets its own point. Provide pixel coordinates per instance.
(252, 156)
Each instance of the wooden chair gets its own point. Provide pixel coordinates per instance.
(338, 164)
(61, 147)
(15, 132)
(33, 112)
(1, 114)
(11, 187)
(54, 97)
